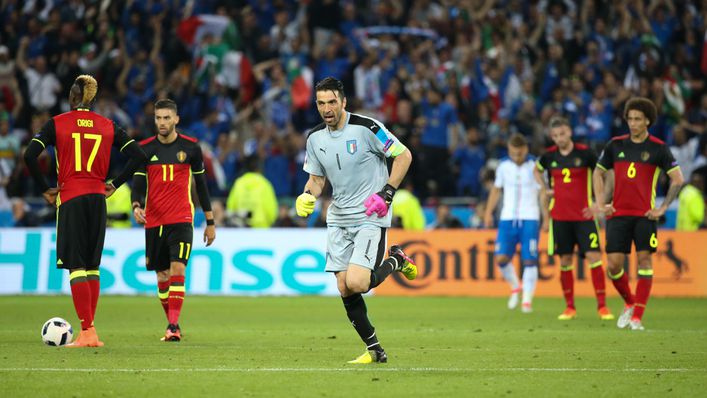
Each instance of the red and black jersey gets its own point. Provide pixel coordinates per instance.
(636, 170)
(169, 174)
(571, 180)
(83, 141)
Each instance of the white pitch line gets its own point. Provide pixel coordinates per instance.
(378, 368)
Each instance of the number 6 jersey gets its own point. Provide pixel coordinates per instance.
(636, 170)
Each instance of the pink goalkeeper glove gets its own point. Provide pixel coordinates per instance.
(380, 201)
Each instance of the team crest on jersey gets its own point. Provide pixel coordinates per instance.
(645, 155)
(351, 146)
(181, 156)
(577, 162)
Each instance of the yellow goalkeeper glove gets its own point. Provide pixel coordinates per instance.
(305, 204)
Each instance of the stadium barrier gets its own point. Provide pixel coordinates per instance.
(291, 262)
(460, 263)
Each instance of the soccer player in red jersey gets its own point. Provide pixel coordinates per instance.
(632, 216)
(83, 141)
(569, 166)
(161, 200)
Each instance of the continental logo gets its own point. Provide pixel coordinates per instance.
(474, 262)
(84, 122)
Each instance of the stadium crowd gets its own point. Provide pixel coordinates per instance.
(451, 79)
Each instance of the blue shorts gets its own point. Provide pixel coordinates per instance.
(525, 232)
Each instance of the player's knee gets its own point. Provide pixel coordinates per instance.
(592, 257)
(645, 263)
(502, 260)
(177, 268)
(613, 268)
(358, 285)
(162, 276)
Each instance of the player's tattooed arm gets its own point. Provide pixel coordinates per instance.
(676, 183)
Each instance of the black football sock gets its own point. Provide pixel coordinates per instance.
(358, 315)
(381, 272)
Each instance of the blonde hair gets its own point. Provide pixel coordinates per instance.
(89, 88)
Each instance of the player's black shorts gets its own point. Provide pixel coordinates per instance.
(567, 234)
(80, 232)
(168, 243)
(621, 231)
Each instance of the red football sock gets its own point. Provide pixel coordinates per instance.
(176, 297)
(567, 282)
(620, 282)
(643, 291)
(94, 282)
(81, 294)
(163, 294)
(599, 283)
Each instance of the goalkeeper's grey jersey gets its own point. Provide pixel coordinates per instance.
(353, 160)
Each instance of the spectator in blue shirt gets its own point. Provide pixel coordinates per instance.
(469, 159)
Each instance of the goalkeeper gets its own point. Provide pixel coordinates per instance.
(350, 151)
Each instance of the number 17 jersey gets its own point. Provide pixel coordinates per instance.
(83, 141)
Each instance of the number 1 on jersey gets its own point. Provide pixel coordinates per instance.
(77, 149)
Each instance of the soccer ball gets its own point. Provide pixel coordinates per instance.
(57, 332)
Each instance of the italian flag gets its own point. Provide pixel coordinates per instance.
(192, 29)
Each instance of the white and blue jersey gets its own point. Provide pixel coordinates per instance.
(520, 214)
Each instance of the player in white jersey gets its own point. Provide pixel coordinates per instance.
(350, 151)
(520, 219)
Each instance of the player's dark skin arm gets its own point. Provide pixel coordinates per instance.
(34, 149)
(137, 158)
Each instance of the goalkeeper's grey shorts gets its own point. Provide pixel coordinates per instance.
(362, 245)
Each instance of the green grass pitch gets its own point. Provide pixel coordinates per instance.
(298, 347)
